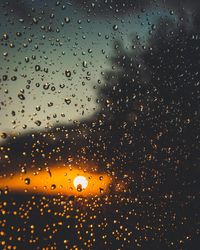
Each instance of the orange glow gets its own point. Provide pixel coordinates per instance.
(59, 179)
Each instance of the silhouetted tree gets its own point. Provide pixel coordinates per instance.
(152, 101)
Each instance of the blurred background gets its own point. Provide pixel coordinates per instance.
(109, 90)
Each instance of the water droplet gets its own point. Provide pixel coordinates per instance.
(68, 73)
(53, 186)
(38, 122)
(79, 188)
(23, 170)
(4, 135)
(84, 64)
(21, 97)
(5, 36)
(67, 19)
(13, 78)
(115, 27)
(101, 190)
(37, 67)
(38, 108)
(67, 101)
(5, 77)
(27, 181)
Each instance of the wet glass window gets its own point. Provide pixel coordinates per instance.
(99, 124)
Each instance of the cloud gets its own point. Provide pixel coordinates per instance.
(112, 8)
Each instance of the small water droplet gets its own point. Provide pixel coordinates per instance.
(53, 186)
(67, 101)
(37, 67)
(21, 97)
(68, 73)
(27, 181)
(67, 19)
(115, 27)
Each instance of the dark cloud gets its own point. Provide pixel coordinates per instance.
(27, 10)
(19, 9)
(24, 11)
(111, 8)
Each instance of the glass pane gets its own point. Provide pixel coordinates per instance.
(99, 124)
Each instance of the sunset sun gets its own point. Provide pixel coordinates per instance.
(80, 183)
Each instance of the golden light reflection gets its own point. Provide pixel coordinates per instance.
(65, 180)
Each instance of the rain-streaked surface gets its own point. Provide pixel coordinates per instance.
(99, 124)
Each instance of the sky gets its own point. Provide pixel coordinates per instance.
(60, 40)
